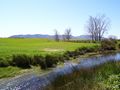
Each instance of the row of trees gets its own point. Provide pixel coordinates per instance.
(66, 36)
(96, 27)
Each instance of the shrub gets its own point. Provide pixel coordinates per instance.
(51, 60)
(22, 61)
(39, 60)
(108, 44)
(60, 58)
(81, 41)
(65, 57)
(119, 46)
(81, 51)
(113, 82)
(92, 49)
(3, 63)
(70, 53)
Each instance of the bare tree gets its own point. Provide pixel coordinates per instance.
(97, 26)
(67, 35)
(56, 36)
(90, 27)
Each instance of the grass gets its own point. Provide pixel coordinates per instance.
(28, 46)
(10, 46)
(103, 77)
(9, 71)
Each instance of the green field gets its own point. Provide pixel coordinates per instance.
(10, 46)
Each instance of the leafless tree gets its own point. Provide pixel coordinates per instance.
(97, 26)
(67, 35)
(56, 36)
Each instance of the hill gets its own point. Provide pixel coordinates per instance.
(83, 37)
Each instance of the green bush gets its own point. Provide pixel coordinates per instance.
(51, 60)
(39, 60)
(108, 44)
(22, 61)
(60, 58)
(119, 46)
(81, 51)
(65, 57)
(70, 53)
(113, 82)
(3, 63)
(81, 41)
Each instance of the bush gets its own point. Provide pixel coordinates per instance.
(108, 44)
(60, 58)
(51, 60)
(119, 46)
(81, 51)
(70, 53)
(113, 82)
(22, 61)
(81, 41)
(39, 60)
(3, 63)
(65, 57)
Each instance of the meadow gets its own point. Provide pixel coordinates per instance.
(34, 55)
(10, 46)
(31, 47)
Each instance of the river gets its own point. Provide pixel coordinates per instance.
(32, 81)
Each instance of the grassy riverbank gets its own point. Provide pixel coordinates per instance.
(31, 47)
(103, 77)
(26, 53)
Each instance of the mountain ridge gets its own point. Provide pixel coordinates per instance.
(47, 36)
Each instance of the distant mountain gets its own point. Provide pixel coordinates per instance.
(83, 37)
(32, 36)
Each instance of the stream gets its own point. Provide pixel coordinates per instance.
(32, 81)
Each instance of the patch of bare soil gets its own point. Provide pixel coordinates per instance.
(53, 50)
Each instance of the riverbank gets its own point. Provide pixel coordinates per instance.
(33, 81)
(9, 72)
(23, 50)
(23, 62)
(103, 77)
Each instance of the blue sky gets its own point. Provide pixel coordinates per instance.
(43, 16)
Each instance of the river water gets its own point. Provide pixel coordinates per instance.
(34, 82)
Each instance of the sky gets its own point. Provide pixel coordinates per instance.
(44, 16)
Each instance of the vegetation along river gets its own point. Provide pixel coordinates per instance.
(34, 82)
